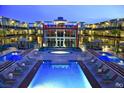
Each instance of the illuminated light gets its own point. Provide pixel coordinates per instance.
(36, 49)
(60, 52)
(92, 60)
(83, 49)
(120, 50)
(12, 22)
(103, 54)
(105, 48)
(121, 62)
(44, 44)
(13, 53)
(112, 57)
(30, 38)
(4, 58)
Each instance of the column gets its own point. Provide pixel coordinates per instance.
(70, 39)
(56, 39)
(64, 39)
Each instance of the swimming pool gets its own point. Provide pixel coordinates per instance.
(105, 56)
(59, 76)
(12, 56)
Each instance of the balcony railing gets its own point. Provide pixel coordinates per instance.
(60, 27)
(19, 27)
(105, 28)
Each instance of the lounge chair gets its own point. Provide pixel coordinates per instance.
(92, 61)
(91, 58)
(36, 53)
(5, 80)
(88, 59)
(17, 72)
(27, 62)
(108, 79)
(30, 58)
(23, 67)
(98, 66)
(103, 72)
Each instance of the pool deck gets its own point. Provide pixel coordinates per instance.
(94, 83)
(74, 55)
(60, 58)
(9, 69)
(30, 75)
(63, 59)
(99, 78)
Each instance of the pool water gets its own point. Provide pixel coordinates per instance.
(12, 56)
(105, 56)
(59, 76)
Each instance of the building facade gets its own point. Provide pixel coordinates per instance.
(60, 33)
(57, 33)
(110, 28)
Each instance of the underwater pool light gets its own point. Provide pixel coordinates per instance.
(60, 52)
(121, 62)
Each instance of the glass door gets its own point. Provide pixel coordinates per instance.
(60, 42)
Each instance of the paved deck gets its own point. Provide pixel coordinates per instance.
(60, 58)
(19, 79)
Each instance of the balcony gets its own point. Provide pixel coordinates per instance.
(60, 27)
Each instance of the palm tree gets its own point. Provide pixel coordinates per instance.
(2, 32)
(116, 33)
(116, 46)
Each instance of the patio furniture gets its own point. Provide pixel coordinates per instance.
(30, 59)
(27, 62)
(98, 66)
(5, 80)
(102, 72)
(87, 60)
(22, 66)
(17, 71)
(109, 79)
(92, 61)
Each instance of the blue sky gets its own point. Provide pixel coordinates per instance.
(88, 14)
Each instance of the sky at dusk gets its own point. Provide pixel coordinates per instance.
(84, 13)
